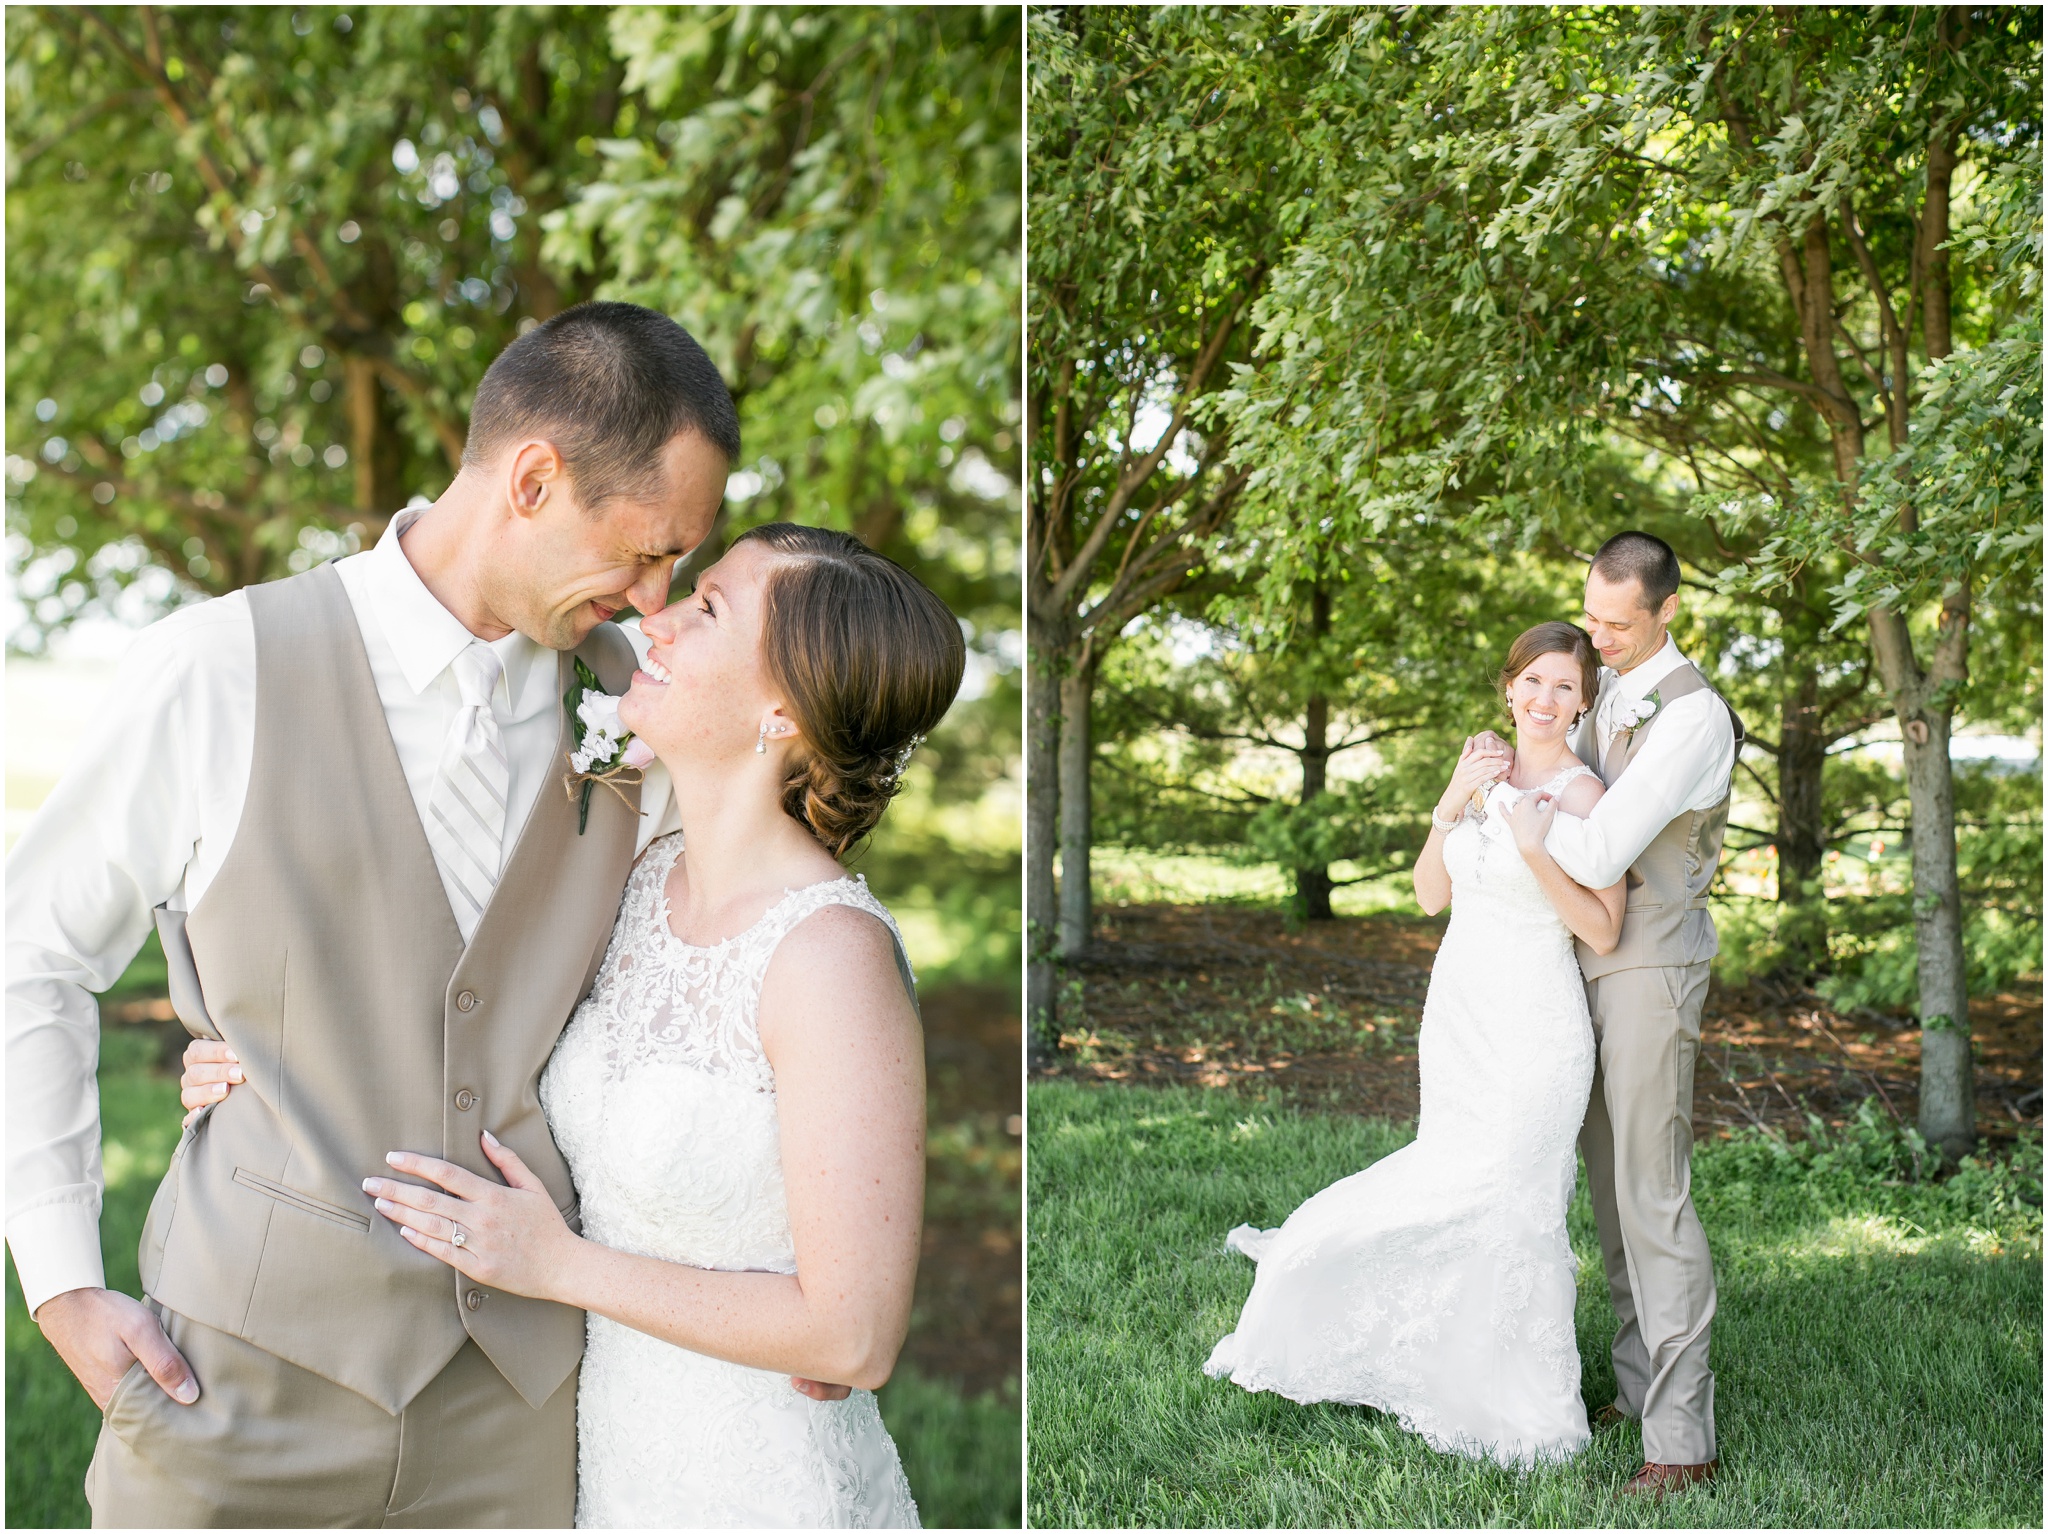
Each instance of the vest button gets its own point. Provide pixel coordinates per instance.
(474, 1299)
(465, 1099)
(466, 1002)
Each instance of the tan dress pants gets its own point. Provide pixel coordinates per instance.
(268, 1444)
(1637, 1142)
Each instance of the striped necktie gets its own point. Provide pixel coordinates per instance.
(466, 813)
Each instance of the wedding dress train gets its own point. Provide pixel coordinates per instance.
(1438, 1283)
(664, 1105)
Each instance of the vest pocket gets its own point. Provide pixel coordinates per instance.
(303, 1201)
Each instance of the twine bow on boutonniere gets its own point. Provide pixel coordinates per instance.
(1637, 714)
(606, 751)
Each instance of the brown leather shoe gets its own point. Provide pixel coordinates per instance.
(1656, 1480)
(1609, 1416)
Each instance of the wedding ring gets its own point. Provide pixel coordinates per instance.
(458, 1239)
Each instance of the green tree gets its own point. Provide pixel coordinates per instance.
(1167, 163)
(828, 199)
(258, 258)
(1376, 650)
(1737, 219)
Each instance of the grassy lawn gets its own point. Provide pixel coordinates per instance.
(960, 1452)
(1877, 1347)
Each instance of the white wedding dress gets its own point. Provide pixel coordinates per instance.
(664, 1105)
(1438, 1283)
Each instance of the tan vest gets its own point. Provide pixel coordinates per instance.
(325, 952)
(1666, 923)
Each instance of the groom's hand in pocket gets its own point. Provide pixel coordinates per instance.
(99, 1333)
(817, 1390)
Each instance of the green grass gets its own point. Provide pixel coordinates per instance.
(1877, 1347)
(964, 1456)
(51, 1423)
(961, 1454)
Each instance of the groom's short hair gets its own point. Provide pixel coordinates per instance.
(610, 384)
(1642, 558)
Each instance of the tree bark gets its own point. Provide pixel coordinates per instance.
(1076, 757)
(375, 449)
(1312, 884)
(1923, 696)
(1948, 1109)
(1802, 822)
(1925, 700)
(1041, 839)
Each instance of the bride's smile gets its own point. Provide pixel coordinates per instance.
(1547, 698)
(703, 693)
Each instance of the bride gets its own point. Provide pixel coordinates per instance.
(1438, 1283)
(741, 1095)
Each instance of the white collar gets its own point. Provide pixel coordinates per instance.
(1634, 686)
(424, 636)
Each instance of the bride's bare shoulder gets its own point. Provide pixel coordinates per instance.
(1580, 795)
(838, 962)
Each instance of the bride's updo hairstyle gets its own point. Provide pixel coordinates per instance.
(1558, 638)
(868, 661)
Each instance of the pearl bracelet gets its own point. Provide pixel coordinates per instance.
(1446, 829)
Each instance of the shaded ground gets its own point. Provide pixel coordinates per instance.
(1225, 995)
(967, 1327)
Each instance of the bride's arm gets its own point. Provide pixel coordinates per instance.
(849, 1086)
(1594, 916)
(1479, 764)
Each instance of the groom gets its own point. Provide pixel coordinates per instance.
(1664, 742)
(338, 797)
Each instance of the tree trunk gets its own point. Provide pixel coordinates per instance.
(1312, 884)
(1923, 696)
(1925, 699)
(1802, 822)
(1948, 1109)
(1076, 757)
(1041, 842)
(375, 449)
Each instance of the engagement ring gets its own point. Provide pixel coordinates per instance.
(458, 1239)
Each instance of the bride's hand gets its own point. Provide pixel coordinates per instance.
(511, 1237)
(1531, 821)
(818, 1390)
(210, 1069)
(1479, 764)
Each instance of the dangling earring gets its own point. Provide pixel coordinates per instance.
(761, 745)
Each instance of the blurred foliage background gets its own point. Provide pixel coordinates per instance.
(258, 259)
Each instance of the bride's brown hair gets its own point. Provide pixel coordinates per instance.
(868, 660)
(1559, 638)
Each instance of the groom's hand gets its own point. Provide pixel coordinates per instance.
(99, 1333)
(817, 1390)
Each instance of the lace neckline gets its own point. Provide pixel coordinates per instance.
(789, 893)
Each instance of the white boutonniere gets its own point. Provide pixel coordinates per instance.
(606, 751)
(1635, 715)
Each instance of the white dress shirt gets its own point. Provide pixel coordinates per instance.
(144, 817)
(1683, 765)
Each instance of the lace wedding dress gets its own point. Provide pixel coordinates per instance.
(662, 1101)
(1438, 1284)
